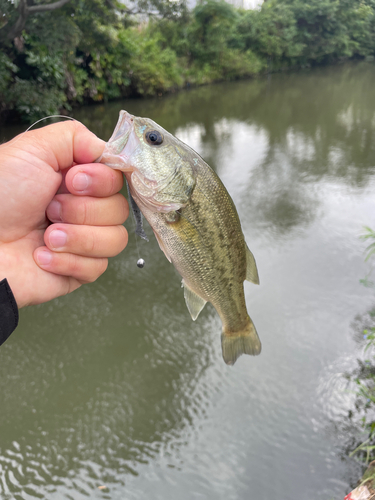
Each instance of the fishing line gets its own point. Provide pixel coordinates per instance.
(13, 141)
(140, 261)
(47, 118)
(137, 224)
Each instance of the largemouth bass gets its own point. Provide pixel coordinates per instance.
(195, 223)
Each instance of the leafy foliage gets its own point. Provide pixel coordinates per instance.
(33, 99)
(364, 377)
(369, 235)
(94, 50)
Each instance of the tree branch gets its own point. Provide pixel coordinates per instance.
(46, 7)
(17, 28)
(25, 10)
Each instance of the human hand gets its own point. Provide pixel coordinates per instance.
(47, 176)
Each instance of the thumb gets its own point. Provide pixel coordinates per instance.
(61, 144)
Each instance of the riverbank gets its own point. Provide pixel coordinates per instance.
(78, 54)
(366, 486)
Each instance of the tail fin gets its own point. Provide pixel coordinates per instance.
(243, 342)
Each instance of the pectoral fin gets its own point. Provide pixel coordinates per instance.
(194, 302)
(251, 268)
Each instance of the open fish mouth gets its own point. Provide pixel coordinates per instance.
(118, 154)
(121, 145)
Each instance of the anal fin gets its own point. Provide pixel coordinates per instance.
(194, 302)
(251, 268)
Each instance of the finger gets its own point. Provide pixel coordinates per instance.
(94, 180)
(61, 144)
(83, 269)
(85, 210)
(88, 241)
(62, 187)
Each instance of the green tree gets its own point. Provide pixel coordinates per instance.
(272, 32)
(58, 54)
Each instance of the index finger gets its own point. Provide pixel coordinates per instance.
(95, 179)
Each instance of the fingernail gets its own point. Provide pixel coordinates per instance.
(54, 211)
(81, 181)
(57, 238)
(43, 257)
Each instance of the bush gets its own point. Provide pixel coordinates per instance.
(153, 69)
(32, 100)
(94, 51)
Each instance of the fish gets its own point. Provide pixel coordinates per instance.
(195, 223)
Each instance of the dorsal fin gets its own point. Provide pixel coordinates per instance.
(251, 268)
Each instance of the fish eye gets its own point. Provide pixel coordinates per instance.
(154, 138)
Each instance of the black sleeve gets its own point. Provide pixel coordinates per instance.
(8, 311)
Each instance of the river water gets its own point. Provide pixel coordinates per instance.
(114, 393)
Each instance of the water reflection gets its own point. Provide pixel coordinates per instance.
(103, 397)
(279, 136)
(115, 385)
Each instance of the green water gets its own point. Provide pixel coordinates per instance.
(115, 386)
